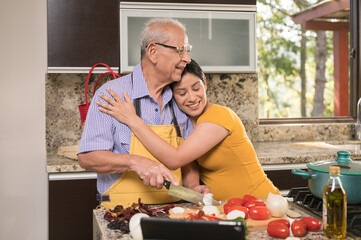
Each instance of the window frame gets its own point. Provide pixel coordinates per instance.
(355, 78)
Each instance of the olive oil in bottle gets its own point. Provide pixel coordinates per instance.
(334, 206)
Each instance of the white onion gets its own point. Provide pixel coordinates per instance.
(208, 199)
(134, 226)
(209, 210)
(235, 214)
(137, 233)
(277, 205)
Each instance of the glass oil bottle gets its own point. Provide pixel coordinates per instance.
(334, 206)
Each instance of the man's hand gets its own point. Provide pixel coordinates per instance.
(153, 173)
(106, 162)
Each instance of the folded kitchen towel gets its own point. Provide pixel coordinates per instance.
(69, 151)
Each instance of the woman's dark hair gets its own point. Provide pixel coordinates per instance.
(194, 69)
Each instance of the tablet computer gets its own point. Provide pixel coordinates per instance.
(165, 228)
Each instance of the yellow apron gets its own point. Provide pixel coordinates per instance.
(129, 187)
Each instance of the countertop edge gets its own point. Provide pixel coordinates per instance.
(271, 155)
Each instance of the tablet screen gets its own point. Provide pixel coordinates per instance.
(166, 228)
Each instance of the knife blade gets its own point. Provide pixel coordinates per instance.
(186, 194)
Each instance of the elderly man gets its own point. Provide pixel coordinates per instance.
(126, 170)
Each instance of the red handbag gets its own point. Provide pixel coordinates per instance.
(83, 108)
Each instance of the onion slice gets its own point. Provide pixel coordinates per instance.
(209, 210)
(235, 214)
(208, 199)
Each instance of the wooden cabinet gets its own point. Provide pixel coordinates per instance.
(246, 2)
(71, 204)
(83, 32)
(285, 179)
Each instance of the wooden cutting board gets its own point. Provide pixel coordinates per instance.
(254, 225)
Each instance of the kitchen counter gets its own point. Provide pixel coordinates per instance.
(61, 164)
(304, 152)
(269, 154)
(102, 232)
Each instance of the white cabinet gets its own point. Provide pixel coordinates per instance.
(223, 40)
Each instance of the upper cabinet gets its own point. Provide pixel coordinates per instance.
(223, 37)
(84, 32)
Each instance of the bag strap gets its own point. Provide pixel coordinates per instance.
(100, 77)
(115, 75)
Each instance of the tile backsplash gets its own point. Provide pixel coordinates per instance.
(64, 92)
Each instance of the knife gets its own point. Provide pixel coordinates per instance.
(186, 194)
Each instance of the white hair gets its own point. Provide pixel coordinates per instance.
(154, 31)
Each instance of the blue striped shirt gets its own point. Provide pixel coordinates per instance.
(103, 132)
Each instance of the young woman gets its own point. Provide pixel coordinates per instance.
(227, 161)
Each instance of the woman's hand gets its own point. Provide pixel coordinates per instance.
(123, 111)
(201, 189)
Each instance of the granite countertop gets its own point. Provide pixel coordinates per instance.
(304, 152)
(268, 153)
(61, 164)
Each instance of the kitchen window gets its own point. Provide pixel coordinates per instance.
(308, 60)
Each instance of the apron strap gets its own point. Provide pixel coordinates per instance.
(137, 107)
(136, 102)
(176, 125)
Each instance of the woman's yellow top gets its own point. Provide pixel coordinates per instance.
(231, 168)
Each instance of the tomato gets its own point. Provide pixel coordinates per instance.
(237, 201)
(230, 207)
(312, 224)
(258, 213)
(247, 198)
(283, 221)
(298, 228)
(227, 208)
(254, 203)
(278, 230)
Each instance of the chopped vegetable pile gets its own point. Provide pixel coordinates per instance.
(202, 216)
(119, 216)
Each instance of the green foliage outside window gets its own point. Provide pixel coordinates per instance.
(279, 62)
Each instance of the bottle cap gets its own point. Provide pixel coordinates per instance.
(335, 170)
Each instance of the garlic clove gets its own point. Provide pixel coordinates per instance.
(177, 210)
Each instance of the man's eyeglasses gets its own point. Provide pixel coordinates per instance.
(181, 50)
